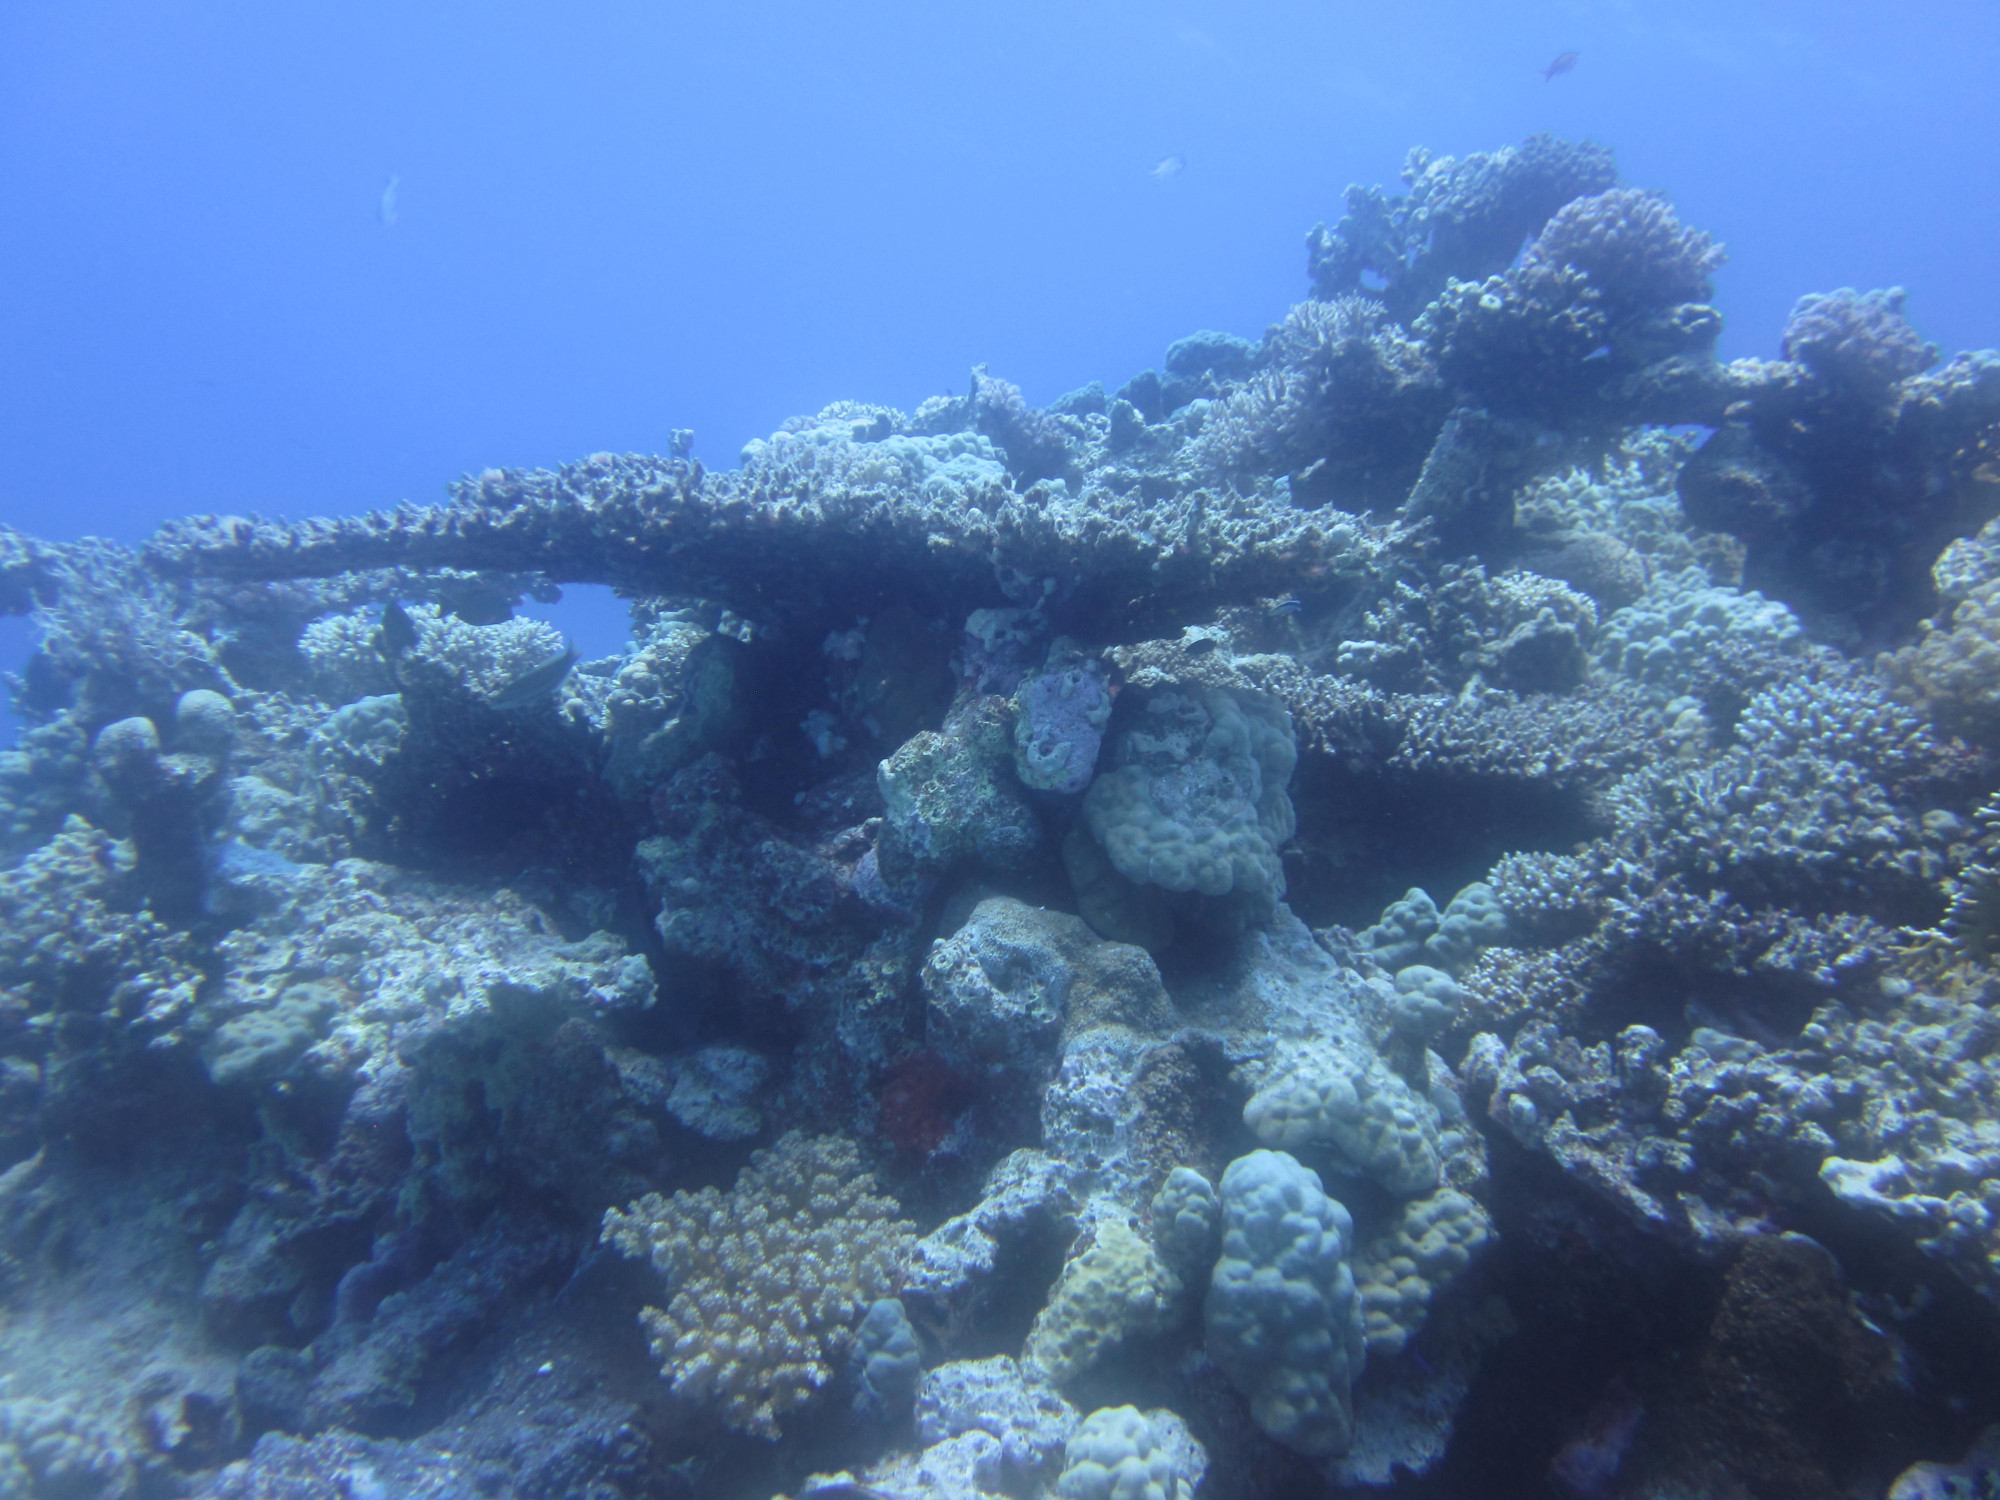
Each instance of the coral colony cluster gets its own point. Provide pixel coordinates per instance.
(1411, 907)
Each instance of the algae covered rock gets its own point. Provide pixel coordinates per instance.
(1002, 989)
(1119, 1286)
(950, 797)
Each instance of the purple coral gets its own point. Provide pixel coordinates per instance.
(1857, 341)
(1635, 252)
(1059, 719)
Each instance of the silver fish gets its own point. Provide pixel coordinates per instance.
(535, 684)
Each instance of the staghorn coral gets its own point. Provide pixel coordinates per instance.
(768, 1279)
(1891, 1110)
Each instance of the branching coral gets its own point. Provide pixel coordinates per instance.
(768, 1279)
(1461, 217)
(1344, 400)
(1632, 247)
(1857, 341)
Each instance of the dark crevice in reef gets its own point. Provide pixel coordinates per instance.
(1674, 993)
(1367, 836)
(479, 793)
(1785, 1363)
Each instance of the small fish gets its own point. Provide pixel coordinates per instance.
(397, 634)
(477, 601)
(535, 684)
(1563, 63)
(385, 206)
(1291, 604)
(1168, 169)
(841, 1486)
(1977, 1478)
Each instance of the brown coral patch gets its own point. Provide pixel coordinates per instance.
(1788, 1386)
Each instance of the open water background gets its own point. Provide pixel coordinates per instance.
(615, 219)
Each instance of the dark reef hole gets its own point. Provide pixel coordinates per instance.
(880, 672)
(1649, 986)
(1594, 1302)
(478, 795)
(997, 1318)
(1602, 1309)
(1950, 1333)
(1365, 836)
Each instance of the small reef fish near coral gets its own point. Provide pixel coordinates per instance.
(1407, 906)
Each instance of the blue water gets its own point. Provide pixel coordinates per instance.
(614, 220)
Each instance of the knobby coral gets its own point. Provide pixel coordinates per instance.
(768, 1279)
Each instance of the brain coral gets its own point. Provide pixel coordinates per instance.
(1197, 801)
(768, 1279)
(1284, 1323)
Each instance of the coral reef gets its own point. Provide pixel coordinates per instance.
(1411, 903)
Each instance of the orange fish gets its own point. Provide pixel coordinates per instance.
(1563, 63)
